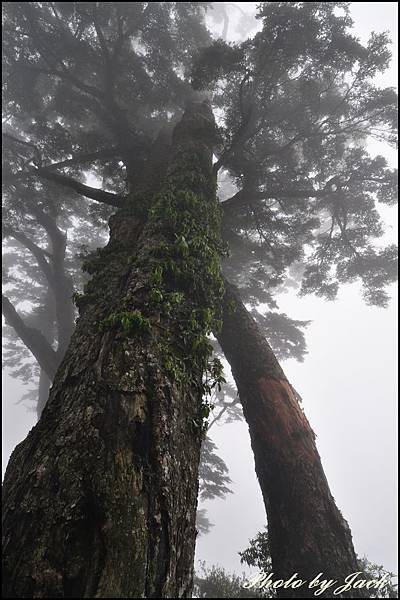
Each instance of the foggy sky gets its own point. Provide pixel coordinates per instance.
(347, 383)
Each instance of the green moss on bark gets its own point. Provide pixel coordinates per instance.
(100, 500)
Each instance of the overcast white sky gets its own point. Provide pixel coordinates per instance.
(348, 385)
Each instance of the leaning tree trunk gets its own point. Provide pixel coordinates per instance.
(100, 499)
(308, 534)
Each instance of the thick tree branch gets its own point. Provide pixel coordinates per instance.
(100, 35)
(12, 138)
(34, 249)
(64, 74)
(47, 171)
(49, 224)
(84, 158)
(245, 131)
(97, 194)
(327, 243)
(32, 338)
(60, 280)
(241, 200)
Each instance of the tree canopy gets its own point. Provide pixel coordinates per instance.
(88, 87)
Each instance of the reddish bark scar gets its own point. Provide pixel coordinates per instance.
(292, 433)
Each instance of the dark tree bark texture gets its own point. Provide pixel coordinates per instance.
(308, 534)
(100, 498)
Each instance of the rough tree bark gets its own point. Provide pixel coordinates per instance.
(308, 534)
(47, 327)
(100, 498)
(43, 392)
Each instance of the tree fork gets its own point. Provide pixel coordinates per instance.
(100, 498)
(308, 534)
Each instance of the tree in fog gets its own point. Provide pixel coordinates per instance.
(100, 499)
(216, 582)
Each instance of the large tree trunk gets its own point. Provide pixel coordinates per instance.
(308, 535)
(43, 392)
(100, 499)
(47, 327)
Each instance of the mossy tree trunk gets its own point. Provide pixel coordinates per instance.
(307, 533)
(100, 498)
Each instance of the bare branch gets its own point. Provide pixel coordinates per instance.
(97, 194)
(227, 405)
(34, 249)
(32, 338)
(240, 200)
(84, 158)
